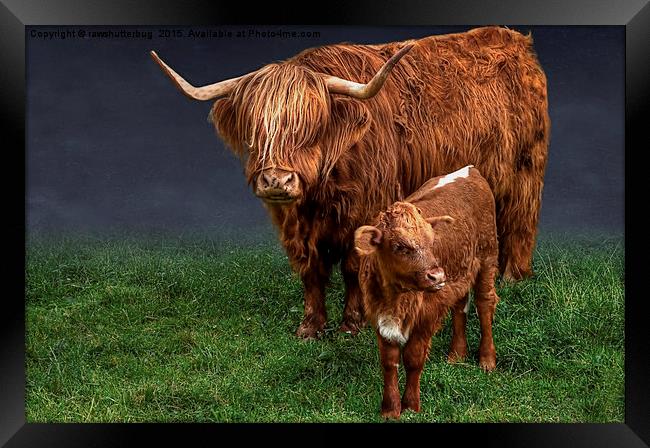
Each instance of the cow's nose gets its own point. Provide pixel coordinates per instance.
(266, 181)
(277, 185)
(288, 179)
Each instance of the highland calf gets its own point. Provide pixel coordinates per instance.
(418, 261)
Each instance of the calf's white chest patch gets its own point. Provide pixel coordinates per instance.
(451, 177)
(390, 329)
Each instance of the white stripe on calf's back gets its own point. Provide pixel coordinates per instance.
(449, 178)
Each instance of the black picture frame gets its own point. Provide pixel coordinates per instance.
(634, 15)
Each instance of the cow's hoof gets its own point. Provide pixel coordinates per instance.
(514, 275)
(456, 355)
(309, 330)
(351, 326)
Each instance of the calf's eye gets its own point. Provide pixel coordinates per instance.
(402, 248)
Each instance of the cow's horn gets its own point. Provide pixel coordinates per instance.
(365, 91)
(209, 92)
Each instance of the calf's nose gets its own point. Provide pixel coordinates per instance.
(436, 275)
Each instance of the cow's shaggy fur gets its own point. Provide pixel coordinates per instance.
(469, 98)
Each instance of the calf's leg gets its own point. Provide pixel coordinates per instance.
(486, 302)
(389, 356)
(414, 356)
(458, 346)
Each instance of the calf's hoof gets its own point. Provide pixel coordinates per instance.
(413, 405)
(391, 413)
(309, 329)
(488, 363)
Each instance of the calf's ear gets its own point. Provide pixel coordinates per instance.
(437, 220)
(366, 239)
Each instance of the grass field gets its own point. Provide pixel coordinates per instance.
(161, 331)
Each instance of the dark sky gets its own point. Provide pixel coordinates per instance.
(112, 145)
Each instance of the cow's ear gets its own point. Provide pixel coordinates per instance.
(222, 116)
(366, 239)
(437, 220)
(349, 122)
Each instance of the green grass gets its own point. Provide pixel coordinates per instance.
(155, 331)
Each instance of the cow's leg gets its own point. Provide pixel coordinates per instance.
(414, 356)
(518, 214)
(389, 355)
(315, 316)
(517, 230)
(353, 315)
(486, 301)
(458, 346)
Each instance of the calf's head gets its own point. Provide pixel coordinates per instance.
(285, 123)
(402, 243)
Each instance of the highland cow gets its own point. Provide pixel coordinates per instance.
(326, 152)
(419, 260)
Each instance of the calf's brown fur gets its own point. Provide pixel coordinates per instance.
(418, 261)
